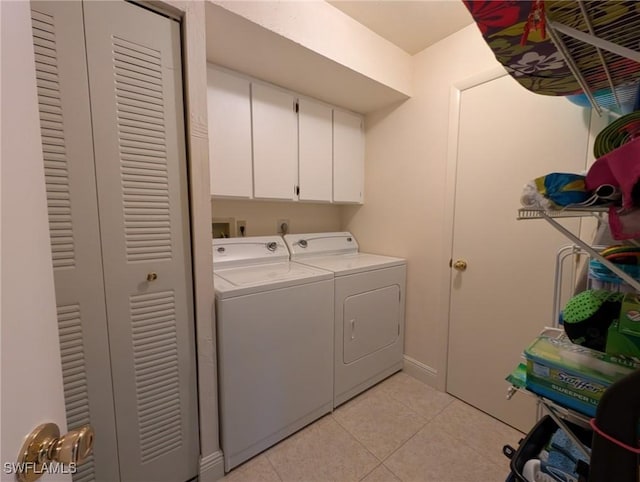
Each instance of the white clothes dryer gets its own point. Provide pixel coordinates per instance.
(275, 344)
(369, 294)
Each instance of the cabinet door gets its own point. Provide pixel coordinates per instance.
(135, 83)
(315, 136)
(229, 113)
(348, 157)
(275, 143)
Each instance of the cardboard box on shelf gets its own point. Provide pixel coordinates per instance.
(572, 375)
(623, 337)
(630, 315)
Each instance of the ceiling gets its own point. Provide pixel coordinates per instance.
(411, 25)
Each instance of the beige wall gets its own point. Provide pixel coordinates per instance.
(262, 216)
(405, 176)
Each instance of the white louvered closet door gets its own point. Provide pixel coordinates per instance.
(136, 106)
(65, 123)
(113, 324)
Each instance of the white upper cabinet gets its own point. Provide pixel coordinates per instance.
(315, 155)
(348, 157)
(266, 143)
(275, 143)
(229, 112)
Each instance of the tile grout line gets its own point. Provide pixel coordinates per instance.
(380, 462)
(291, 437)
(350, 435)
(370, 472)
(448, 433)
(426, 421)
(273, 467)
(445, 427)
(355, 438)
(453, 399)
(402, 445)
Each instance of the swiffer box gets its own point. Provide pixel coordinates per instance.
(572, 375)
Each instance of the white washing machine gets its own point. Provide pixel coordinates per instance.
(369, 296)
(275, 344)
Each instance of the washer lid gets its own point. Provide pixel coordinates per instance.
(228, 252)
(262, 277)
(351, 263)
(320, 244)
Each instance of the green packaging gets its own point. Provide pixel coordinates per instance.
(619, 343)
(623, 337)
(630, 315)
(572, 375)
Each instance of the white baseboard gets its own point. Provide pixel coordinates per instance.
(211, 467)
(422, 372)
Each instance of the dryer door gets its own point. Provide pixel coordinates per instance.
(369, 329)
(371, 322)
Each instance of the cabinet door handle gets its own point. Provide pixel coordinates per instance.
(353, 329)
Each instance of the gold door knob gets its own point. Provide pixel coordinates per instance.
(460, 265)
(74, 447)
(44, 449)
(152, 276)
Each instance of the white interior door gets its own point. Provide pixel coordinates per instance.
(31, 373)
(506, 137)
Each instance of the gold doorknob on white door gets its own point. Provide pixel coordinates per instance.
(460, 265)
(44, 449)
(152, 276)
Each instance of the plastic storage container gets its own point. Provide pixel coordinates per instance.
(602, 278)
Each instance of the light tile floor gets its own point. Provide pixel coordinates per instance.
(399, 430)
